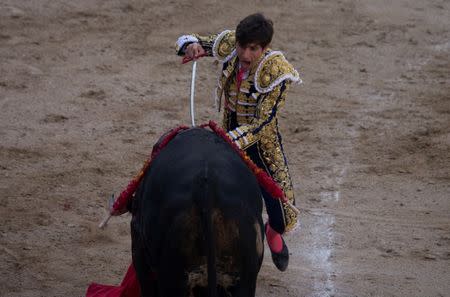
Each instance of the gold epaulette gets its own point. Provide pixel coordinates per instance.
(272, 70)
(224, 47)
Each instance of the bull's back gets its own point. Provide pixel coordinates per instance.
(192, 152)
(198, 176)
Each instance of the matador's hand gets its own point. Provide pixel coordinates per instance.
(194, 51)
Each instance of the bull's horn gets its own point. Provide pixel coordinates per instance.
(104, 222)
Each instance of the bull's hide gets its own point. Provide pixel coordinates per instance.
(197, 220)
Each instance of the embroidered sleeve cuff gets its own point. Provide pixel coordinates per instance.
(183, 41)
(242, 137)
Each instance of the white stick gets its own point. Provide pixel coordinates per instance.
(194, 68)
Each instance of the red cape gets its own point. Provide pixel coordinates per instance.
(129, 287)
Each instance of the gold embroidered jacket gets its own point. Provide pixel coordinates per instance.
(250, 113)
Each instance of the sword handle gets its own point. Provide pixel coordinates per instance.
(188, 59)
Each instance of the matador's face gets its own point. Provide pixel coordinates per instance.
(249, 54)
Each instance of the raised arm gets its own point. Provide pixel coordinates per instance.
(195, 44)
(221, 46)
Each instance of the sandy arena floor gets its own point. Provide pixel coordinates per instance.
(87, 87)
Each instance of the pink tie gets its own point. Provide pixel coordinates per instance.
(239, 77)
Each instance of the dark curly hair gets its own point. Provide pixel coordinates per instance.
(255, 28)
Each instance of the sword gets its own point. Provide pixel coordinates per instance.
(194, 70)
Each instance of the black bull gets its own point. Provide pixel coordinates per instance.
(197, 221)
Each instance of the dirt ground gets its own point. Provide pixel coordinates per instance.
(87, 87)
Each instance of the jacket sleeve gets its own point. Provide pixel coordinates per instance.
(206, 42)
(266, 113)
(221, 46)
